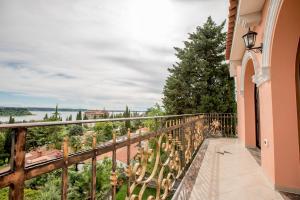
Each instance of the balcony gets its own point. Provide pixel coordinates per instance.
(183, 157)
(227, 171)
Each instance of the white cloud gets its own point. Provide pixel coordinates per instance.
(95, 53)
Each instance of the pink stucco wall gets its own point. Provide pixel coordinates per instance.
(266, 113)
(246, 128)
(278, 106)
(284, 104)
(249, 106)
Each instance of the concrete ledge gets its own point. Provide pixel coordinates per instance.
(185, 187)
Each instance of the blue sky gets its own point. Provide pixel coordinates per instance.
(93, 54)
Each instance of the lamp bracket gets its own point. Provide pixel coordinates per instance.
(256, 49)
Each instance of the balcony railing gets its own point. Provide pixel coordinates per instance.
(176, 139)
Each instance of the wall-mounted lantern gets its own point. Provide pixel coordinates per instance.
(249, 39)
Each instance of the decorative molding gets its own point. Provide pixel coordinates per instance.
(247, 56)
(232, 67)
(262, 76)
(273, 11)
(249, 20)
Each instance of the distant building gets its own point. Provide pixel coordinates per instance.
(96, 114)
(42, 155)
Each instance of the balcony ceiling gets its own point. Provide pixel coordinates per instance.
(248, 14)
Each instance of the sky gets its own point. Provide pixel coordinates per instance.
(95, 53)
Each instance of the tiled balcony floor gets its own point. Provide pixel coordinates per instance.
(229, 172)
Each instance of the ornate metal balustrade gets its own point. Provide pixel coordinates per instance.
(159, 163)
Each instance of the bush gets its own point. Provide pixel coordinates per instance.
(76, 130)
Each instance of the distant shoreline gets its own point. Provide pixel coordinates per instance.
(9, 111)
(64, 109)
(25, 111)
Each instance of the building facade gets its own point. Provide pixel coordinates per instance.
(268, 84)
(96, 114)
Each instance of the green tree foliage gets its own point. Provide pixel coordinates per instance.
(55, 116)
(81, 181)
(9, 111)
(126, 114)
(75, 139)
(5, 145)
(199, 81)
(76, 130)
(48, 186)
(156, 110)
(46, 117)
(103, 131)
(29, 194)
(11, 120)
(79, 115)
(135, 124)
(40, 136)
(69, 118)
(56, 113)
(51, 190)
(48, 135)
(85, 117)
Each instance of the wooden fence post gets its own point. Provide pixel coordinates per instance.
(128, 162)
(64, 177)
(94, 169)
(113, 177)
(16, 190)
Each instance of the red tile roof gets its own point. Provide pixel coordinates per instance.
(231, 24)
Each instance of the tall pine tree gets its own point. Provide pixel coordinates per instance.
(200, 81)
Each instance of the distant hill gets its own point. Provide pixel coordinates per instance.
(11, 111)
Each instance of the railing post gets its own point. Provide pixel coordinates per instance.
(94, 169)
(221, 123)
(235, 124)
(140, 134)
(16, 190)
(128, 163)
(64, 176)
(231, 125)
(209, 121)
(225, 124)
(183, 141)
(227, 119)
(113, 177)
(192, 137)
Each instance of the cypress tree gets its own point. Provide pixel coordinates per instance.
(79, 115)
(11, 120)
(85, 117)
(56, 114)
(126, 114)
(199, 82)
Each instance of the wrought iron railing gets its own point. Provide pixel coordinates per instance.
(174, 141)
